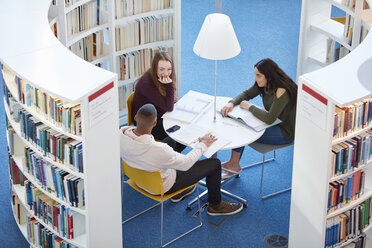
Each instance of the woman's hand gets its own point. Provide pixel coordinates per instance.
(228, 107)
(165, 79)
(245, 105)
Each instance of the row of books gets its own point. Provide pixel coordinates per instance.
(342, 192)
(348, 225)
(138, 62)
(84, 17)
(90, 47)
(144, 30)
(63, 220)
(364, 29)
(15, 173)
(335, 51)
(348, 28)
(61, 114)
(54, 29)
(350, 154)
(124, 92)
(125, 8)
(40, 236)
(352, 118)
(37, 234)
(51, 143)
(56, 181)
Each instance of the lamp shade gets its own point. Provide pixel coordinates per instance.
(217, 39)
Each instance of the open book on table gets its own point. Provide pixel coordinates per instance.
(190, 107)
(247, 118)
(191, 134)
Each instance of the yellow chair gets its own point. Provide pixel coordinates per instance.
(129, 108)
(152, 181)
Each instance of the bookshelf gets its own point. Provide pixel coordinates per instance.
(324, 40)
(341, 84)
(125, 38)
(53, 79)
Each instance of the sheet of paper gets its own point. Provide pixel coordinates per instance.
(192, 105)
(216, 146)
(190, 134)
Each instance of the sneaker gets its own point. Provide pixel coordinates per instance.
(180, 196)
(224, 208)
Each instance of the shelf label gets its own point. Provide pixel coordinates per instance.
(314, 107)
(100, 104)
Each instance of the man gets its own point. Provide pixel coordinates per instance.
(139, 150)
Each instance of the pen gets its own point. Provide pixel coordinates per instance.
(197, 140)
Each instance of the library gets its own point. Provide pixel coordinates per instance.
(68, 68)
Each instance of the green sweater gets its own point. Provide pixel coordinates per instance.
(276, 108)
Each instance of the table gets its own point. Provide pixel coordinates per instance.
(239, 134)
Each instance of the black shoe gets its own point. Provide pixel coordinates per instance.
(180, 196)
(224, 208)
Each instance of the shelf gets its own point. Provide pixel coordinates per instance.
(318, 53)
(367, 194)
(13, 90)
(16, 126)
(124, 20)
(20, 163)
(78, 36)
(75, 5)
(100, 59)
(122, 83)
(166, 43)
(361, 167)
(353, 134)
(20, 191)
(330, 28)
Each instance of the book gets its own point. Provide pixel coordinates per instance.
(247, 118)
(191, 134)
(190, 107)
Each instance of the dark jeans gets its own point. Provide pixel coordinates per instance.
(208, 168)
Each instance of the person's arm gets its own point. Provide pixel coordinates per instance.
(151, 92)
(248, 94)
(276, 109)
(183, 162)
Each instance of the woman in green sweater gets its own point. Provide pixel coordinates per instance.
(279, 95)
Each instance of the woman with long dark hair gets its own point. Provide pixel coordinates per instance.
(279, 96)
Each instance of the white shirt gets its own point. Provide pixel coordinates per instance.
(143, 152)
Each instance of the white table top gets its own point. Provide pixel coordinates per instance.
(237, 133)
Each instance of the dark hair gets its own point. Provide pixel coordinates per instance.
(161, 55)
(146, 115)
(276, 78)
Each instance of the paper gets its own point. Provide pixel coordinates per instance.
(191, 134)
(314, 107)
(100, 104)
(190, 107)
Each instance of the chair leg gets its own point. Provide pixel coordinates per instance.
(262, 173)
(144, 211)
(258, 163)
(189, 231)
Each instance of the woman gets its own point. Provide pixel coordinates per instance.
(279, 95)
(157, 86)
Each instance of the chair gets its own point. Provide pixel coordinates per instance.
(264, 149)
(152, 181)
(129, 108)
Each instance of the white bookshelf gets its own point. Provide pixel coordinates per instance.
(110, 55)
(317, 30)
(42, 61)
(339, 84)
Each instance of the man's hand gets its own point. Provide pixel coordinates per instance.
(245, 105)
(207, 139)
(228, 107)
(165, 79)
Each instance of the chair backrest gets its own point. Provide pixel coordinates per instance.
(129, 108)
(147, 180)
